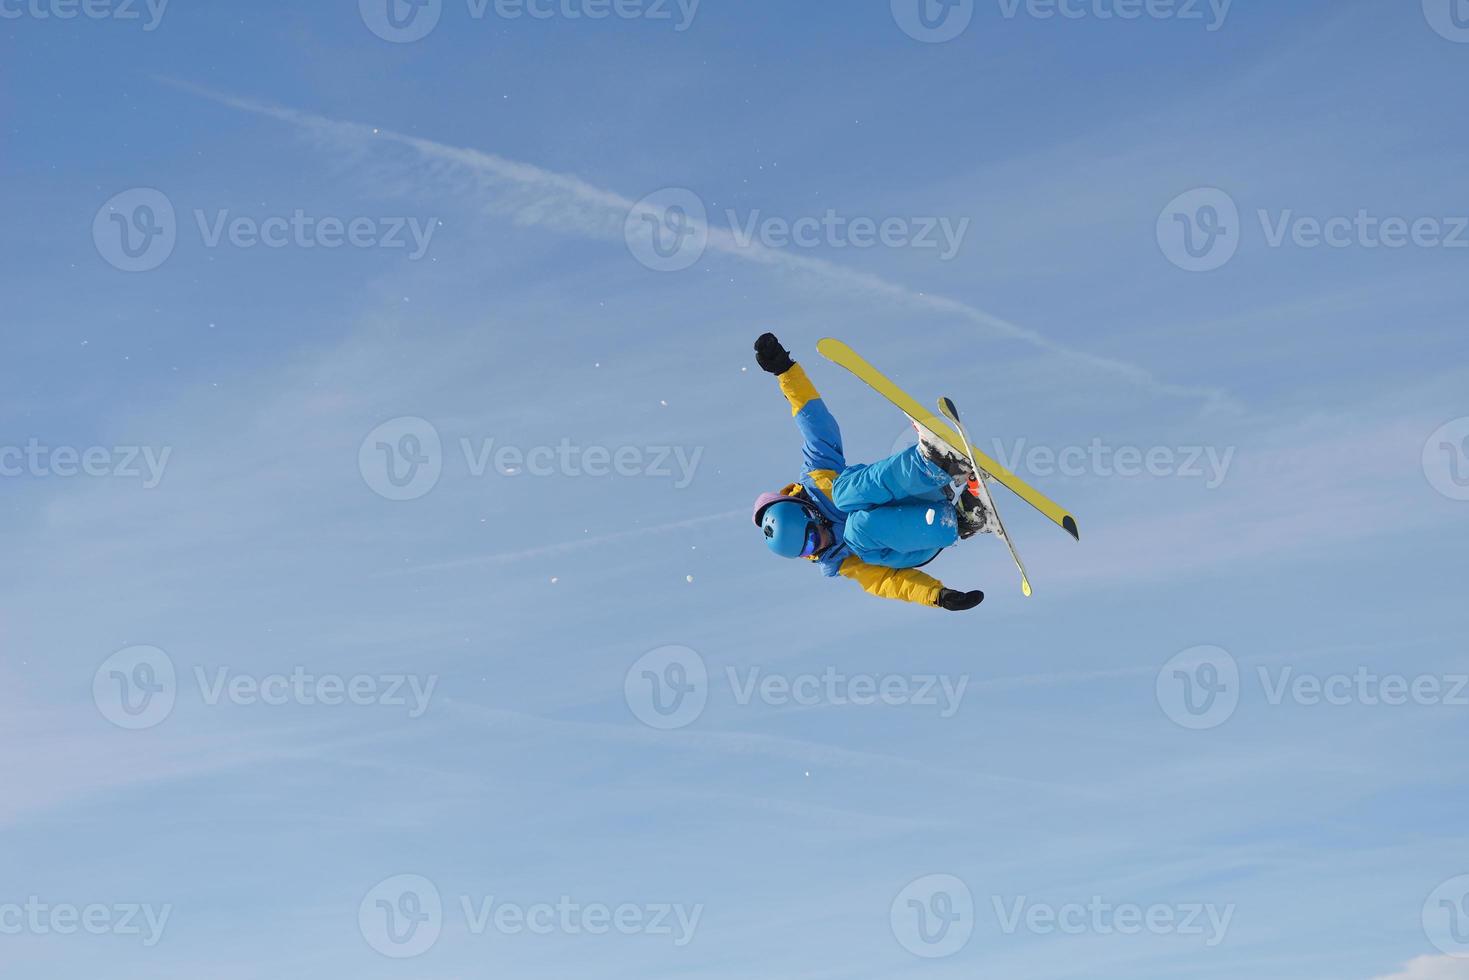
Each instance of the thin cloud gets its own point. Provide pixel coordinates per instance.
(567, 547)
(1431, 968)
(535, 196)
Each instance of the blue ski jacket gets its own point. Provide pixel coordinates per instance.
(824, 463)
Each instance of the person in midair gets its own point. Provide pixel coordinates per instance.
(876, 523)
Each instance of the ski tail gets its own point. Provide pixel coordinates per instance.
(980, 489)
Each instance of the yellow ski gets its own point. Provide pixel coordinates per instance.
(839, 353)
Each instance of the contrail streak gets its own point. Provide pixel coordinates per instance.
(532, 195)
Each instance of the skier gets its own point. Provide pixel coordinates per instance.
(876, 523)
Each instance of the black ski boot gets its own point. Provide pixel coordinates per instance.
(944, 456)
(974, 516)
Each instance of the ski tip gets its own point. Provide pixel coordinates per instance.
(1069, 523)
(1025, 587)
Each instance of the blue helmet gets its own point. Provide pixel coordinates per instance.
(791, 530)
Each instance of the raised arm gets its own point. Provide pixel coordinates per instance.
(821, 437)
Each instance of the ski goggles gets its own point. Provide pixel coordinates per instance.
(813, 539)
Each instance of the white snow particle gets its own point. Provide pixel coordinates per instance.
(689, 579)
(929, 516)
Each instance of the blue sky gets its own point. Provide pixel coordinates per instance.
(1302, 521)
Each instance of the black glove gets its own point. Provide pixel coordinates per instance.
(959, 601)
(772, 357)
